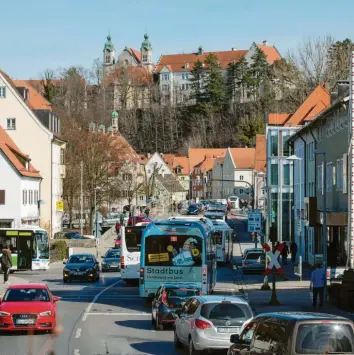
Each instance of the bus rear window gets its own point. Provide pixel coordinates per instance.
(170, 250)
(133, 239)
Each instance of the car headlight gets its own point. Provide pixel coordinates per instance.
(45, 314)
(104, 263)
(2, 314)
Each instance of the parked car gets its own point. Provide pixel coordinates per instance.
(256, 267)
(290, 333)
(251, 249)
(193, 209)
(111, 261)
(168, 299)
(251, 257)
(28, 307)
(81, 267)
(206, 322)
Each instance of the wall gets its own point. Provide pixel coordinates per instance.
(161, 165)
(33, 139)
(10, 181)
(30, 210)
(125, 55)
(57, 189)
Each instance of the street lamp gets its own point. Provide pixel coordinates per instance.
(294, 158)
(97, 188)
(324, 223)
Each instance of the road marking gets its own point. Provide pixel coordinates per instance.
(76, 352)
(118, 314)
(78, 333)
(88, 309)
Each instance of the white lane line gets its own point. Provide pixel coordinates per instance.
(78, 333)
(76, 352)
(119, 314)
(88, 309)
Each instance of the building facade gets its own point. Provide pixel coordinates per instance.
(32, 136)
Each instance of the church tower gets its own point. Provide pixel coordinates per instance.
(108, 55)
(146, 54)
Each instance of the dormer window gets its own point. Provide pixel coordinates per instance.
(165, 76)
(178, 170)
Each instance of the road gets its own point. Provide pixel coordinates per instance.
(107, 317)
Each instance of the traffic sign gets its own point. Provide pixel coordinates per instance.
(255, 221)
(273, 258)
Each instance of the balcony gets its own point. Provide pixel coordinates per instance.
(62, 171)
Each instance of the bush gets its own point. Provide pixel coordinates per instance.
(61, 249)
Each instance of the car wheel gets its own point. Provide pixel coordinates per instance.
(176, 341)
(192, 350)
(158, 326)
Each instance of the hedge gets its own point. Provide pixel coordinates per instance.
(61, 249)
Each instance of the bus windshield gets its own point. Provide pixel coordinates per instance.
(42, 243)
(181, 250)
(133, 239)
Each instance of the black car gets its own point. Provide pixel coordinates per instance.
(168, 299)
(81, 267)
(193, 209)
(111, 261)
(290, 333)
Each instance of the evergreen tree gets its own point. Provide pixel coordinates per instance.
(49, 90)
(196, 81)
(215, 89)
(238, 79)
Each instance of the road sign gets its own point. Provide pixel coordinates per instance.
(273, 257)
(255, 221)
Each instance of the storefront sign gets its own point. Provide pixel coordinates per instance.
(173, 274)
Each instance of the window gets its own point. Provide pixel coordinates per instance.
(178, 170)
(24, 197)
(133, 239)
(108, 59)
(274, 174)
(344, 175)
(2, 197)
(36, 197)
(11, 123)
(30, 195)
(62, 157)
(127, 177)
(247, 334)
(183, 87)
(2, 92)
(274, 145)
(165, 76)
(164, 87)
(329, 176)
(320, 178)
(141, 198)
(286, 174)
(145, 58)
(241, 191)
(241, 177)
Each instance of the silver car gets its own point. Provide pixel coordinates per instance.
(206, 322)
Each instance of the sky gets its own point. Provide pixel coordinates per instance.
(51, 34)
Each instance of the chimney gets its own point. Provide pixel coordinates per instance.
(234, 49)
(265, 43)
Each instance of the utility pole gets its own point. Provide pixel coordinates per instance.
(81, 197)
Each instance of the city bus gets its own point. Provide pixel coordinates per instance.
(177, 251)
(224, 243)
(130, 251)
(29, 247)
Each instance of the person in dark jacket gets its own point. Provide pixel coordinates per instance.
(293, 251)
(6, 262)
(284, 254)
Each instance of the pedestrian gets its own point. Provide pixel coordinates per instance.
(284, 254)
(6, 262)
(317, 283)
(293, 251)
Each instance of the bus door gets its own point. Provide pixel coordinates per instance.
(24, 250)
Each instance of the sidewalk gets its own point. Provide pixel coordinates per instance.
(13, 280)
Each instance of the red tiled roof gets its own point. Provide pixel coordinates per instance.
(123, 150)
(135, 53)
(15, 156)
(261, 153)
(197, 155)
(244, 158)
(176, 62)
(35, 99)
(270, 52)
(314, 104)
(174, 161)
(139, 75)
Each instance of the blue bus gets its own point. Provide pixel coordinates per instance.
(177, 251)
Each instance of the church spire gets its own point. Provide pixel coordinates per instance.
(108, 47)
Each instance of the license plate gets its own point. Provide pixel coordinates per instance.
(25, 321)
(79, 273)
(229, 330)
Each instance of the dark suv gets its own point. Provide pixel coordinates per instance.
(290, 333)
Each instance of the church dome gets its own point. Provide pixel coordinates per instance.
(146, 43)
(108, 47)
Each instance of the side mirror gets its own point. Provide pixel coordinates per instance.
(56, 298)
(234, 338)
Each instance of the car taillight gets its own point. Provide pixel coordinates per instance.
(201, 324)
(164, 299)
(122, 266)
(141, 276)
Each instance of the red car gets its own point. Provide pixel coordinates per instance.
(28, 307)
(132, 221)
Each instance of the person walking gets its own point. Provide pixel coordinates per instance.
(318, 281)
(284, 254)
(293, 251)
(6, 262)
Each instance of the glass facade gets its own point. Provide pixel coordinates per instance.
(286, 174)
(274, 174)
(274, 145)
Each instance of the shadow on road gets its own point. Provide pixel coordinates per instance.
(155, 347)
(142, 324)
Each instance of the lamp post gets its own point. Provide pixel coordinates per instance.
(96, 219)
(324, 223)
(296, 158)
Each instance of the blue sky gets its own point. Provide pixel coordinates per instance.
(42, 34)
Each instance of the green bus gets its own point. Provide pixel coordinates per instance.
(29, 247)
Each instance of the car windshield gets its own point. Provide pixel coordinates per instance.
(113, 254)
(26, 294)
(176, 296)
(324, 338)
(225, 314)
(80, 259)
